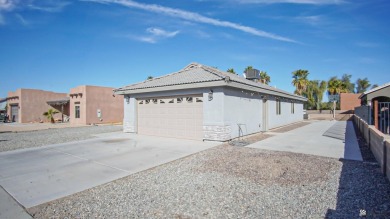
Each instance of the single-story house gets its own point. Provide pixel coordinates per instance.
(375, 106)
(28, 105)
(83, 105)
(203, 103)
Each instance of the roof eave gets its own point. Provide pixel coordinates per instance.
(219, 83)
(265, 91)
(171, 87)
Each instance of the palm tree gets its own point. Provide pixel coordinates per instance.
(362, 85)
(248, 68)
(50, 114)
(231, 70)
(336, 86)
(264, 77)
(300, 80)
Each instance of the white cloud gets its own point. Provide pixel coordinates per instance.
(194, 17)
(8, 5)
(311, 2)
(22, 20)
(161, 32)
(48, 6)
(312, 20)
(156, 34)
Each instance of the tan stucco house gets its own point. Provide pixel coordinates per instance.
(83, 105)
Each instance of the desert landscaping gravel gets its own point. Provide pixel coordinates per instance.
(226, 181)
(235, 182)
(18, 140)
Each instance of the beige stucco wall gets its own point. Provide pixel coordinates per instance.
(77, 96)
(32, 104)
(93, 98)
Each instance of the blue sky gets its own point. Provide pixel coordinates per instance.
(56, 45)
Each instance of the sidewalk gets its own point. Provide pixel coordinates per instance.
(23, 127)
(9, 208)
(310, 139)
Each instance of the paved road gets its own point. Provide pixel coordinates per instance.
(335, 139)
(38, 175)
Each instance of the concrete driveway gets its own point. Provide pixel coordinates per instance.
(38, 175)
(336, 139)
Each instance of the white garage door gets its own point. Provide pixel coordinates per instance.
(177, 117)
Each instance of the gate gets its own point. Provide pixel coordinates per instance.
(384, 117)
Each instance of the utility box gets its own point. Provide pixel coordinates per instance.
(252, 74)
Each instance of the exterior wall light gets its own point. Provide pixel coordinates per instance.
(210, 95)
(127, 97)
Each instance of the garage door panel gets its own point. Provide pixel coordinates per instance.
(182, 118)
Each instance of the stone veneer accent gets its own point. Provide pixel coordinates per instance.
(128, 127)
(217, 132)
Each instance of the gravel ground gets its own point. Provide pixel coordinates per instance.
(235, 182)
(18, 140)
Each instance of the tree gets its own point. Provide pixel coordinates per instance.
(149, 77)
(336, 86)
(374, 86)
(349, 87)
(319, 87)
(362, 85)
(248, 68)
(300, 80)
(264, 77)
(314, 93)
(231, 70)
(50, 114)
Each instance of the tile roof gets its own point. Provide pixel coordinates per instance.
(193, 73)
(198, 73)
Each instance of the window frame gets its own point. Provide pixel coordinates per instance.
(77, 111)
(278, 107)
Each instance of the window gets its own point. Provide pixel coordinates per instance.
(162, 101)
(147, 101)
(77, 112)
(171, 101)
(189, 99)
(154, 101)
(199, 99)
(278, 107)
(141, 102)
(292, 108)
(179, 99)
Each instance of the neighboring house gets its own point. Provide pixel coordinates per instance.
(3, 108)
(28, 105)
(348, 101)
(94, 105)
(83, 105)
(375, 107)
(204, 103)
